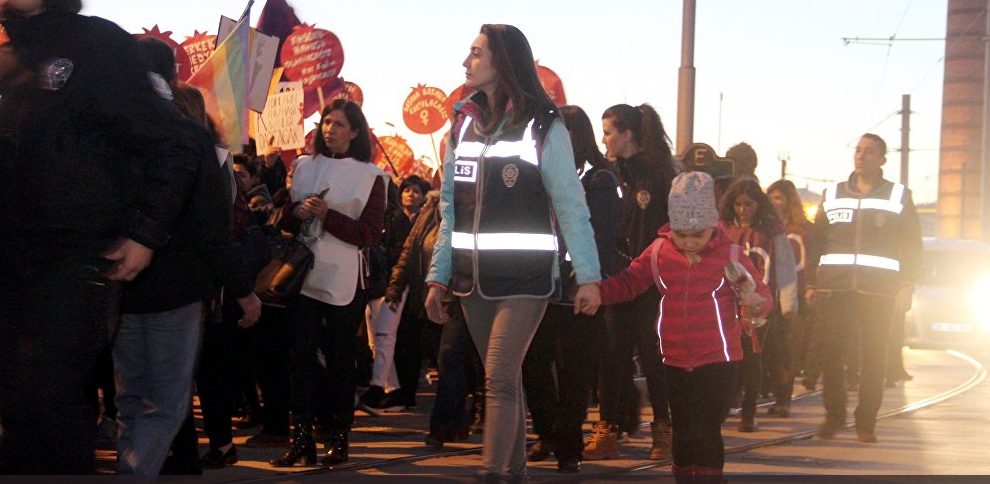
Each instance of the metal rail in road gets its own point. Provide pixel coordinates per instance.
(978, 376)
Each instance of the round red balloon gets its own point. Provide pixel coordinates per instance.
(423, 111)
(181, 58)
(456, 96)
(552, 84)
(199, 46)
(403, 159)
(347, 90)
(312, 56)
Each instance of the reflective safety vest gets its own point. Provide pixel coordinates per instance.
(503, 242)
(861, 251)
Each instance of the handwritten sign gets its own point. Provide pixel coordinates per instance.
(181, 58)
(399, 152)
(312, 56)
(280, 125)
(198, 47)
(551, 84)
(424, 111)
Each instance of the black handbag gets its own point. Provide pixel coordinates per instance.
(280, 281)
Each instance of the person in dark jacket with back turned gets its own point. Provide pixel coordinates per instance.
(160, 332)
(101, 164)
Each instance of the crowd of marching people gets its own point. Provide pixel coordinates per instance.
(143, 264)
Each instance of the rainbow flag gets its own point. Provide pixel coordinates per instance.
(223, 80)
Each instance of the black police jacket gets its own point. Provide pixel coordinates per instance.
(88, 152)
(866, 242)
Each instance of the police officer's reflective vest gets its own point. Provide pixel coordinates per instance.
(861, 251)
(503, 241)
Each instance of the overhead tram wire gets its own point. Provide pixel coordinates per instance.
(886, 60)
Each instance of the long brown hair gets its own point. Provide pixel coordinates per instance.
(515, 73)
(793, 212)
(765, 220)
(582, 138)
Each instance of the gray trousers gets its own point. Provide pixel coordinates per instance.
(502, 331)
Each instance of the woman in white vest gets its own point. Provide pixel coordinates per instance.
(508, 174)
(339, 201)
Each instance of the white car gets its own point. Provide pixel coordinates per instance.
(951, 306)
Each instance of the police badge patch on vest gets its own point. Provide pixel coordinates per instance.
(509, 175)
(466, 171)
(55, 73)
(840, 216)
(643, 199)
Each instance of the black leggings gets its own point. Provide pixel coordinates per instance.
(698, 400)
(334, 378)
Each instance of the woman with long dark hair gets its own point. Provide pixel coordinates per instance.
(338, 197)
(558, 406)
(796, 352)
(635, 138)
(752, 223)
(509, 172)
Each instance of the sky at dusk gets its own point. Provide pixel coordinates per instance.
(787, 81)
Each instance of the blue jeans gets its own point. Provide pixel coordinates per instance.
(154, 357)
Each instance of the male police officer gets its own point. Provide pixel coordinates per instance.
(93, 176)
(869, 244)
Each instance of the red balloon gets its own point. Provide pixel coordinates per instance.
(552, 84)
(456, 96)
(423, 111)
(346, 90)
(312, 56)
(181, 58)
(399, 152)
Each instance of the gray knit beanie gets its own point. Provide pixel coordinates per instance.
(691, 204)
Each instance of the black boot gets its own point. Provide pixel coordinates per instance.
(303, 447)
(336, 448)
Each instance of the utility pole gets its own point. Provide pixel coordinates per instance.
(784, 157)
(905, 136)
(685, 80)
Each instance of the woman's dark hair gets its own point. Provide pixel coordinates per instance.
(515, 73)
(160, 58)
(793, 212)
(647, 129)
(360, 148)
(248, 162)
(70, 6)
(582, 138)
(765, 220)
(415, 180)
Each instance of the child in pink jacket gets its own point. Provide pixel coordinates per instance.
(691, 262)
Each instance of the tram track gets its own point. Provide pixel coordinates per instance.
(979, 375)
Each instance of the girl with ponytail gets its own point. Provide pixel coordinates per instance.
(636, 141)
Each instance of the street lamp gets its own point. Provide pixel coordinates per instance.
(783, 156)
